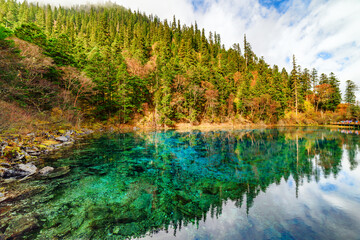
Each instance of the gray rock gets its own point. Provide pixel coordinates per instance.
(46, 170)
(28, 168)
(12, 173)
(26, 154)
(2, 195)
(30, 135)
(3, 164)
(69, 132)
(88, 131)
(62, 139)
(61, 171)
(33, 152)
(19, 156)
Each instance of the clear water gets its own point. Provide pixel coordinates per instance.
(248, 184)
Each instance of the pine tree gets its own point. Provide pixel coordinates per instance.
(314, 78)
(351, 87)
(335, 98)
(177, 62)
(295, 84)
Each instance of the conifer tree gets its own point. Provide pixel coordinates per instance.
(295, 84)
(351, 87)
(179, 72)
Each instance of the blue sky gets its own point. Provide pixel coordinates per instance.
(323, 34)
(280, 5)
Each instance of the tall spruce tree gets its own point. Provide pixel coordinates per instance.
(350, 89)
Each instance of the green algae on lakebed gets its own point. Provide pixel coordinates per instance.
(284, 183)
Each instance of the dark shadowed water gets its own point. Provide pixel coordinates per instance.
(248, 184)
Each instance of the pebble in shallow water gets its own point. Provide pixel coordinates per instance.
(46, 170)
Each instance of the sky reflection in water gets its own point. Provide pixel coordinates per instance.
(248, 184)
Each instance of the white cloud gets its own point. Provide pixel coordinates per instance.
(305, 29)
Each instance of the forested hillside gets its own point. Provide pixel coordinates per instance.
(107, 62)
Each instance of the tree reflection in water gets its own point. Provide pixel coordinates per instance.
(132, 184)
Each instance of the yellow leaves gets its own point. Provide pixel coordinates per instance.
(309, 108)
(236, 100)
(56, 114)
(49, 142)
(42, 147)
(41, 122)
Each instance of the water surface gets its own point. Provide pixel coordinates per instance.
(248, 184)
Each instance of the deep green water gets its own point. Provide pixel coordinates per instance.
(247, 184)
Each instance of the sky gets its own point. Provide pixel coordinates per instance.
(322, 34)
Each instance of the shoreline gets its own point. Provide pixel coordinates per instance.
(182, 127)
(28, 149)
(21, 154)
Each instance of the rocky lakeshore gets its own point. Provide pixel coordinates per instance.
(19, 154)
(17, 147)
(23, 176)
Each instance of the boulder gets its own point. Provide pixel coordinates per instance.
(28, 168)
(62, 139)
(12, 173)
(20, 171)
(46, 170)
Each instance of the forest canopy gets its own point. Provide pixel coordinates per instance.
(163, 71)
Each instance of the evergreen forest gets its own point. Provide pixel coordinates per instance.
(109, 63)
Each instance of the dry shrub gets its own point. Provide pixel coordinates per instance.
(33, 59)
(12, 116)
(311, 118)
(239, 119)
(69, 116)
(151, 64)
(230, 104)
(238, 77)
(255, 77)
(136, 68)
(6, 60)
(76, 85)
(292, 118)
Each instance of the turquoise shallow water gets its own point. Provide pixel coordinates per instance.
(247, 184)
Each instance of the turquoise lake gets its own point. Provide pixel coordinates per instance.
(284, 183)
